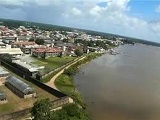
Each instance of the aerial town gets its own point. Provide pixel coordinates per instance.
(28, 55)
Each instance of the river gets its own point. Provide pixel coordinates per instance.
(124, 86)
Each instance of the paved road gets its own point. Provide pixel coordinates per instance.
(51, 82)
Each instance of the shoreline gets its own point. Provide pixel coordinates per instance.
(70, 89)
(51, 83)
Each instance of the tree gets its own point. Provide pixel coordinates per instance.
(39, 41)
(41, 110)
(72, 110)
(17, 32)
(60, 115)
(78, 52)
(60, 54)
(70, 71)
(65, 40)
(31, 39)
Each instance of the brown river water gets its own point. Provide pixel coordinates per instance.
(124, 86)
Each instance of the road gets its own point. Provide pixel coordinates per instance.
(51, 82)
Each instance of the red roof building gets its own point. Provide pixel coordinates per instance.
(46, 52)
(22, 44)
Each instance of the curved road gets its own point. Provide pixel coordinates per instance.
(51, 82)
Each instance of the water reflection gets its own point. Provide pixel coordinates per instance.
(123, 87)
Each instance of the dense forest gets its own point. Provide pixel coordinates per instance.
(16, 23)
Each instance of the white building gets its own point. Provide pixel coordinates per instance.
(11, 51)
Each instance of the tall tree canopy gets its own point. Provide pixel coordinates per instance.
(39, 41)
(78, 52)
(41, 110)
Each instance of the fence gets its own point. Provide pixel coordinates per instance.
(55, 104)
(33, 80)
(62, 98)
(15, 115)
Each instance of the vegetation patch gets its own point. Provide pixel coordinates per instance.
(42, 111)
(66, 85)
(52, 63)
(49, 77)
(65, 82)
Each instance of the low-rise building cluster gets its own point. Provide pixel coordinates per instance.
(16, 85)
(55, 42)
(40, 43)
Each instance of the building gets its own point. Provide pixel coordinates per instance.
(11, 51)
(3, 73)
(9, 40)
(22, 38)
(2, 45)
(24, 45)
(20, 88)
(46, 52)
(28, 68)
(3, 97)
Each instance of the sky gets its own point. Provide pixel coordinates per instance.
(133, 18)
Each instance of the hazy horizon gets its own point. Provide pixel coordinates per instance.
(132, 18)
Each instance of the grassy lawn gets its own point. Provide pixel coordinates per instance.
(52, 62)
(49, 77)
(66, 85)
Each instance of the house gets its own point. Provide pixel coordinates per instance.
(27, 68)
(49, 42)
(9, 40)
(11, 51)
(3, 97)
(25, 46)
(2, 45)
(3, 73)
(22, 44)
(23, 38)
(46, 52)
(20, 88)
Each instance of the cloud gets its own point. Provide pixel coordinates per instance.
(157, 9)
(155, 27)
(96, 10)
(12, 2)
(112, 16)
(76, 11)
(15, 13)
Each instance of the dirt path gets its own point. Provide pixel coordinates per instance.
(2, 80)
(51, 82)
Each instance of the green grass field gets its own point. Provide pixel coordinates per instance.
(52, 63)
(66, 85)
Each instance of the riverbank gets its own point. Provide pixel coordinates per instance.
(65, 83)
(55, 74)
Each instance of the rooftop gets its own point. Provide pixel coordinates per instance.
(24, 43)
(2, 71)
(26, 65)
(2, 95)
(12, 51)
(21, 86)
(47, 50)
